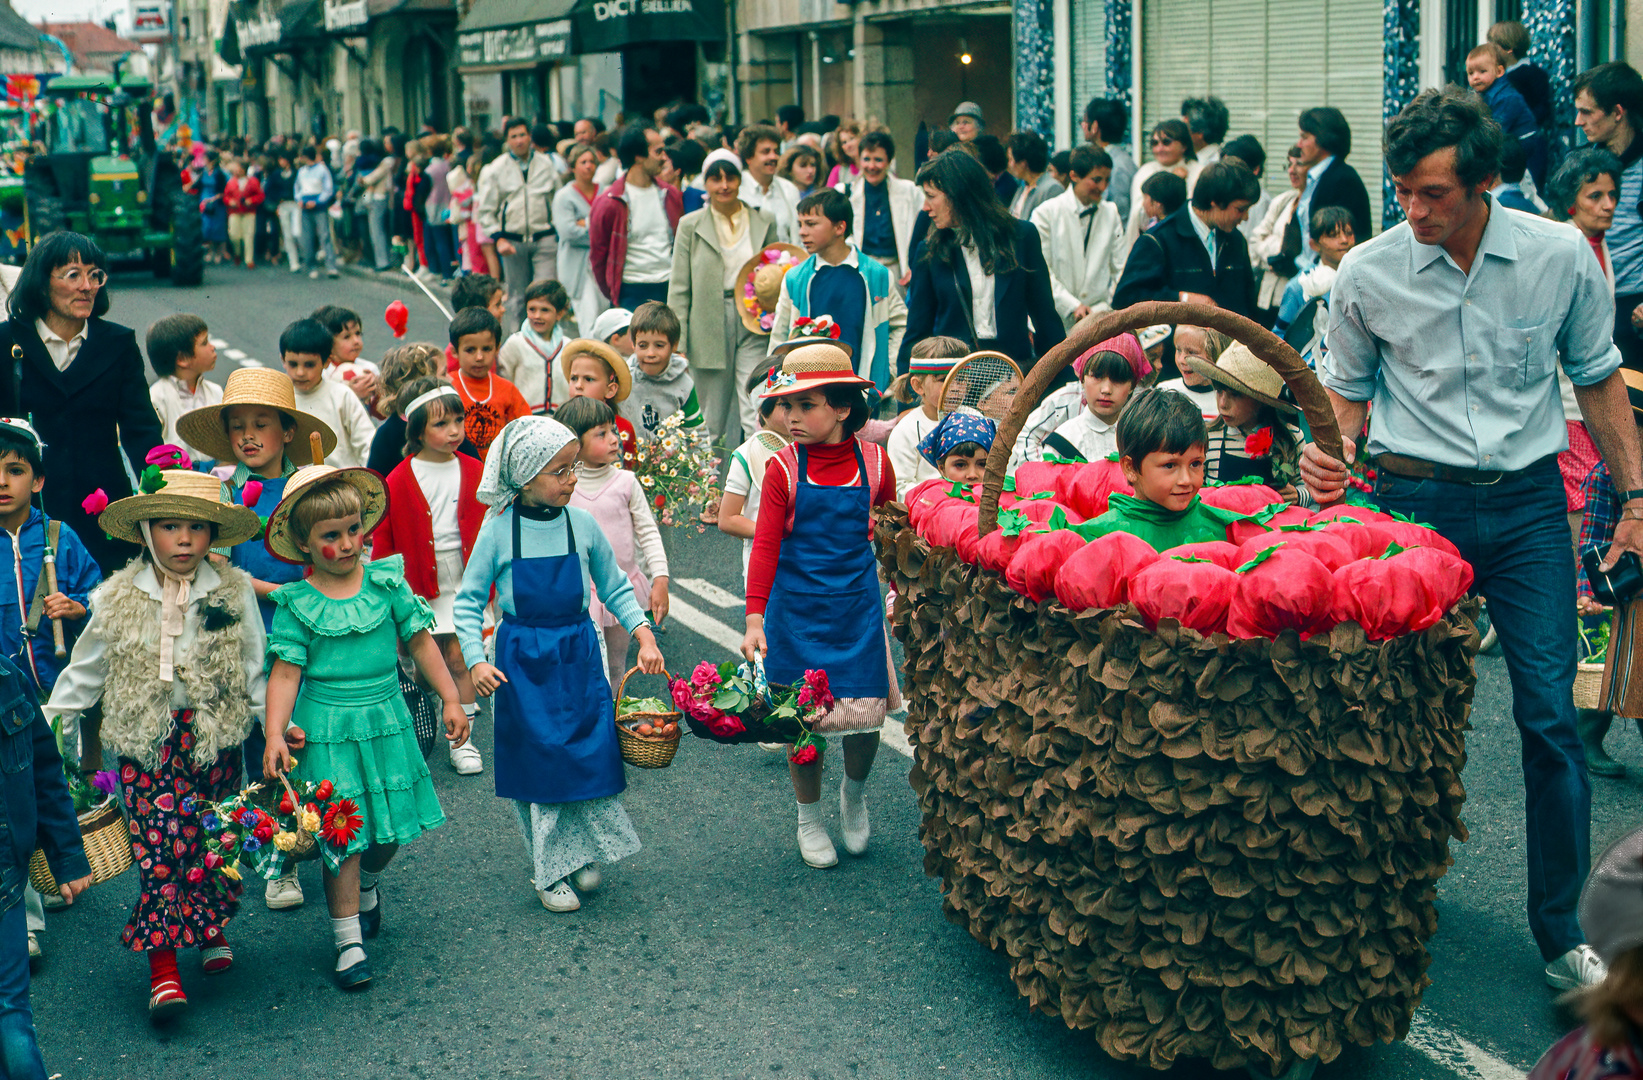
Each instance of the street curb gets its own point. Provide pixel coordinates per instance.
(367, 274)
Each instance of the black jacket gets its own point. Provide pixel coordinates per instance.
(1535, 85)
(938, 303)
(1169, 259)
(37, 805)
(1341, 186)
(86, 416)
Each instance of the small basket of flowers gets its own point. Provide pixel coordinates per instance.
(646, 729)
(102, 829)
(734, 703)
(272, 827)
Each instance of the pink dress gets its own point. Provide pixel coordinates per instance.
(610, 509)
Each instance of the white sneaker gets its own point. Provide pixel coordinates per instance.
(772, 747)
(1578, 967)
(313, 275)
(817, 847)
(853, 823)
(465, 759)
(35, 952)
(586, 879)
(284, 892)
(561, 897)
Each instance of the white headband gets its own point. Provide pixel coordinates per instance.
(423, 399)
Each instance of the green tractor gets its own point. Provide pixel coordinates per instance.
(103, 176)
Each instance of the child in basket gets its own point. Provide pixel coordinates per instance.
(556, 751)
(744, 479)
(933, 360)
(1068, 403)
(173, 650)
(1161, 450)
(433, 520)
(334, 692)
(813, 599)
(958, 447)
(616, 500)
(1246, 393)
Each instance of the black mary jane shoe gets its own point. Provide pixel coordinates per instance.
(356, 976)
(370, 922)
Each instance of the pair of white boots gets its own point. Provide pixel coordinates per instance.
(816, 846)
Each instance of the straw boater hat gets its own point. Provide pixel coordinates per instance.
(191, 496)
(203, 428)
(612, 359)
(282, 543)
(1240, 371)
(815, 365)
(808, 331)
(765, 271)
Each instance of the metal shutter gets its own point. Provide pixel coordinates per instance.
(1089, 59)
(1354, 85)
(1175, 64)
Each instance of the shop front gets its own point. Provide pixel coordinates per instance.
(670, 50)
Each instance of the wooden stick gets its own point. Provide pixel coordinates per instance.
(316, 448)
(61, 647)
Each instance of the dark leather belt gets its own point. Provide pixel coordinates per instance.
(519, 238)
(1415, 469)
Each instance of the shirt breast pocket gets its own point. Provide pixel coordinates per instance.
(16, 737)
(1526, 355)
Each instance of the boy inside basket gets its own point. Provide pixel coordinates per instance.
(557, 755)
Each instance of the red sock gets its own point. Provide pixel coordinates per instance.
(162, 968)
(214, 938)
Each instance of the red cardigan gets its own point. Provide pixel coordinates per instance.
(408, 527)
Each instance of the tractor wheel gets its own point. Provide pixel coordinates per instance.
(187, 245)
(159, 259)
(45, 209)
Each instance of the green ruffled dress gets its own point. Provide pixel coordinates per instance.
(360, 734)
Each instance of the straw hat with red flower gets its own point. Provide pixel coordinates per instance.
(812, 366)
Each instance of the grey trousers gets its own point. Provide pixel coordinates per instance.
(732, 413)
(532, 260)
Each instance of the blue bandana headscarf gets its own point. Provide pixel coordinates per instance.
(955, 428)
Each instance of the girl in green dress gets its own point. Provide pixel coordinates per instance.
(333, 690)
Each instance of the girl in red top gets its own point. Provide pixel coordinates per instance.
(813, 599)
(433, 518)
(242, 196)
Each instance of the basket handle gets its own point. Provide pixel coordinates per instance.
(629, 674)
(1269, 347)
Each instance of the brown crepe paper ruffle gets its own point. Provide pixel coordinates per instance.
(1194, 847)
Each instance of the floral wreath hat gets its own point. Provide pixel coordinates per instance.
(811, 331)
(759, 285)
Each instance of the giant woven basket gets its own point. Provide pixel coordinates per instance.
(1191, 847)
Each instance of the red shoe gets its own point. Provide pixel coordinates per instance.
(216, 959)
(166, 1001)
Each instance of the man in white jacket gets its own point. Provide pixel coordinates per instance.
(1082, 238)
(885, 207)
(515, 206)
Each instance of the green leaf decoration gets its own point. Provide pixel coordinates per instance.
(1191, 558)
(151, 480)
(1392, 549)
(1344, 517)
(959, 491)
(1057, 459)
(1013, 523)
(1113, 457)
(1009, 483)
(1305, 526)
(1267, 513)
(1039, 495)
(1058, 519)
(1259, 559)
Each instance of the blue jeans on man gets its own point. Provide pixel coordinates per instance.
(316, 237)
(1515, 535)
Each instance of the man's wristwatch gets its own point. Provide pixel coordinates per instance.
(1631, 496)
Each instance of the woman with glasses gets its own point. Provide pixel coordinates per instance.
(1171, 144)
(82, 380)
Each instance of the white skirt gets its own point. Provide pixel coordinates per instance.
(448, 565)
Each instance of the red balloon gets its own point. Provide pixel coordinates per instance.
(397, 317)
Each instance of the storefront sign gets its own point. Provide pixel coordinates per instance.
(150, 20)
(607, 25)
(533, 43)
(345, 14)
(255, 33)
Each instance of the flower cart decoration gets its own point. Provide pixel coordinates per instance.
(103, 830)
(1200, 797)
(678, 468)
(734, 703)
(273, 825)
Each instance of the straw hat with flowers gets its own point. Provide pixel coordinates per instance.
(808, 331)
(182, 494)
(759, 284)
(205, 430)
(282, 539)
(612, 359)
(1242, 372)
(812, 367)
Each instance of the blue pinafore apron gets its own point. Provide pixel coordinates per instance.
(555, 736)
(825, 611)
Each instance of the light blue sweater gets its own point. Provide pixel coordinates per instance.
(492, 564)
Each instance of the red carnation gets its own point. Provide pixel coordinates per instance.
(324, 790)
(1259, 444)
(341, 823)
(804, 755)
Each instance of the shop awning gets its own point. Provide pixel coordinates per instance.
(498, 35)
(258, 27)
(608, 25)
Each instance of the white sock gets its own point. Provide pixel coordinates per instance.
(368, 890)
(810, 814)
(350, 943)
(471, 709)
(853, 789)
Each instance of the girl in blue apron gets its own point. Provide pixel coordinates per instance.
(556, 752)
(813, 599)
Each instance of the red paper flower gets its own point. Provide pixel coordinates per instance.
(251, 493)
(341, 823)
(324, 790)
(95, 503)
(804, 755)
(1259, 444)
(169, 456)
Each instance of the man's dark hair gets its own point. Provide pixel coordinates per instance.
(655, 317)
(1159, 422)
(1327, 221)
(877, 140)
(791, 115)
(171, 339)
(551, 291)
(583, 414)
(981, 219)
(336, 319)
(942, 140)
(1085, 158)
(474, 290)
(24, 449)
(1061, 161)
(832, 204)
(598, 124)
(633, 145)
(1328, 125)
(1247, 149)
(1109, 116)
(1223, 184)
(543, 136)
(1514, 160)
(309, 153)
(511, 122)
(687, 156)
(992, 153)
(1614, 85)
(749, 138)
(1579, 169)
(1437, 119)
(1167, 190)
(682, 117)
(31, 296)
(1029, 149)
(305, 337)
(474, 320)
(1207, 117)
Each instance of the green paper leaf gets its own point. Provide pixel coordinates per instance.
(1259, 559)
(1190, 558)
(1013, 522)
(1344, 517)
(1058, 519)
(1113, 457)
(959, 491)
(1267, 513)
(1057, 459)
(1305, 526)
(151, 480)
(1392, 549)
(1039, 495)
(1009, 484)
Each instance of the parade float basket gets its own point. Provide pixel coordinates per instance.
(1588, 686)
(107, 841)
(1193, 847)
(646, 751)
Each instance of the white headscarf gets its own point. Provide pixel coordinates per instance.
(522, 449)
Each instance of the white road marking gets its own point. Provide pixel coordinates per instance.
(234, 354)
(1458, 1055)
(710, 592)
(219, 343)
(251, 361)
(688, 614)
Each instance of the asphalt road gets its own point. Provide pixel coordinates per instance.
(714, 952)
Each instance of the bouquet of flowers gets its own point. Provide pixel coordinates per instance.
(679, 470)
(305, 821)
(735, 704)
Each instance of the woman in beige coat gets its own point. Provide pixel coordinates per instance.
(709, 250)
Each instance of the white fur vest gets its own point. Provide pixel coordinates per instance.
(137, 705)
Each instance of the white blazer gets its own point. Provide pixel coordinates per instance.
(906, 200)
(1080, 272)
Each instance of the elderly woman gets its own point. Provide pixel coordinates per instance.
(572, 204)
(1584, 191)
(82, 380)
(709, 251)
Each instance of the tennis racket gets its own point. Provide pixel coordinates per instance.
(983, 383)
